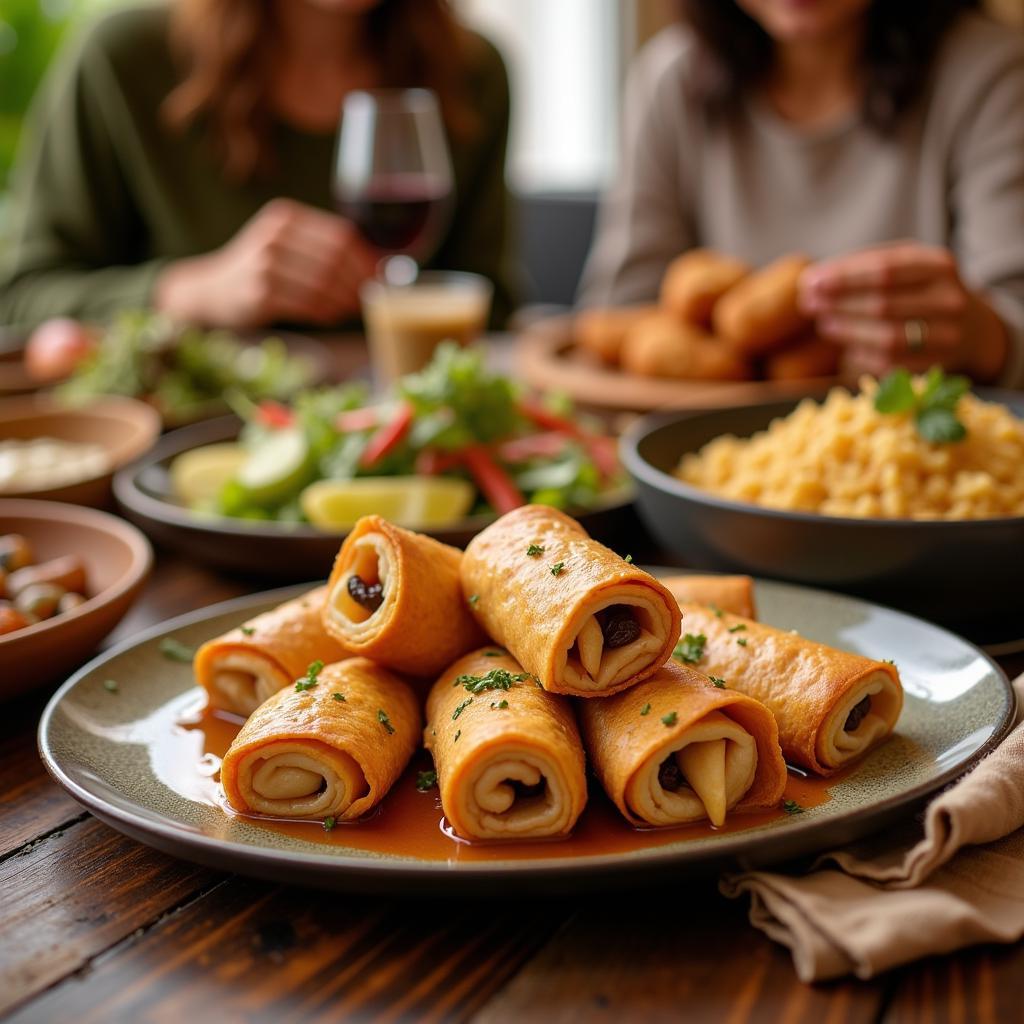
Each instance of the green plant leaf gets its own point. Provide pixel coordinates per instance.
(895, 393)
(939, 425)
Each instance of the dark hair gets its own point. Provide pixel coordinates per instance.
(901, 38)
(226, 48)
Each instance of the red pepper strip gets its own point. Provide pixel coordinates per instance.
(431, 462)
(494, 483)
(274, 415)
(357, 419)
(387, 437)
(519, 449)
(602, 448)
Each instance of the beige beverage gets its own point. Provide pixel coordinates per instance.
(405, 323)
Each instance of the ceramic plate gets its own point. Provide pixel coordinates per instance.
(123, 754)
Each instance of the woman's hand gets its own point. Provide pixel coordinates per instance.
(903, 304)
(289, 262)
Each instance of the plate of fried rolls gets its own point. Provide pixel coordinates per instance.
(720, 333)
(536, 710)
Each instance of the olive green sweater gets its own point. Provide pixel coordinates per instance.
(105, 194)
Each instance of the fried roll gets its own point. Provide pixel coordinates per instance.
(762, 311)
(310, 754)
(831, 706)
(394, 596)
(728, 593)
(660, 345)
(696, 280)
(508, 755)
(601, 331)
(573, 613)
(247, 665)
(677, 749)
(805, 359)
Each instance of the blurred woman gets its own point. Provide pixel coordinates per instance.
(884, 139)
(181, 157)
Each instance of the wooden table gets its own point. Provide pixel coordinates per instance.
(94, 926)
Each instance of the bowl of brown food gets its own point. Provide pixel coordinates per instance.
(58, 452)
(67, 577)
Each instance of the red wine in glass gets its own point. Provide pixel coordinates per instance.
(397, 213)
(393, 176)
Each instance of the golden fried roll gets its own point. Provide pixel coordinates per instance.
(310, 754)
(394, 596)
(728, 593)
(601, 331)
(696, 280)
(805, 359)
(762, 312)
(247, 665)
(508, 755)
(660, 345)
(676, 749)
(572, 612)
(831, 706)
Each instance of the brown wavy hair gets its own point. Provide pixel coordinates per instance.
(226, 51)
(901, 38)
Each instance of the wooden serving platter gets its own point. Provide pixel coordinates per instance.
(548, 359)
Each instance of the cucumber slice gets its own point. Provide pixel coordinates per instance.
(276, 470)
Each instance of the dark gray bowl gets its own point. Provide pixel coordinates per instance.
(967, 575)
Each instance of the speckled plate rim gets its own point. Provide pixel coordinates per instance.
(338, 870)
(637, 433)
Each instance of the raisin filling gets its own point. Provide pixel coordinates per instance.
(618, 625)
(669, 776)
(369, 595)
(857, 715)
(524, 792)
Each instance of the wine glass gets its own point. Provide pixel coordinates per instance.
(393, 174)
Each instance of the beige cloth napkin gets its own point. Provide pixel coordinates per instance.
(892, 899)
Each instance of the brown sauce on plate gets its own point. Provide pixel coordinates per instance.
(408, 823)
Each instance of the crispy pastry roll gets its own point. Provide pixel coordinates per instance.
(394, 596)
(677, 749)
(573, 613)
(247, 665)
(601, 331)
(310, 754)
(660, 345)
(808, 358)
(831, 706)
(762, 311)
(696, 280)
(729, 593)
(508, 755)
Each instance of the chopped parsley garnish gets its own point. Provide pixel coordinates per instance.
(329, 823)
(339, 697)
(496, 679)
(690, 649)
(382, 717)
(888, 661)
(110, 685)
(718, 611)
(558, 568)
(792, 807)
(933, 409)
(670, 719)
(500, 706)
(535, 550)
(628, 559)
(473, 598)
(461, 707)
(425, 781)
(493, 654)
(738, 628)
(718, 681)
(248, 630)
(175, 650)
(742, 641)
(646, 709)
(309, 680)
(457, 735)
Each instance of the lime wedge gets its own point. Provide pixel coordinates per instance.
(197, 476)
(277, 468)
(418, 502)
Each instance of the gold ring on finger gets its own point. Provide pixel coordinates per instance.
(916, 333)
